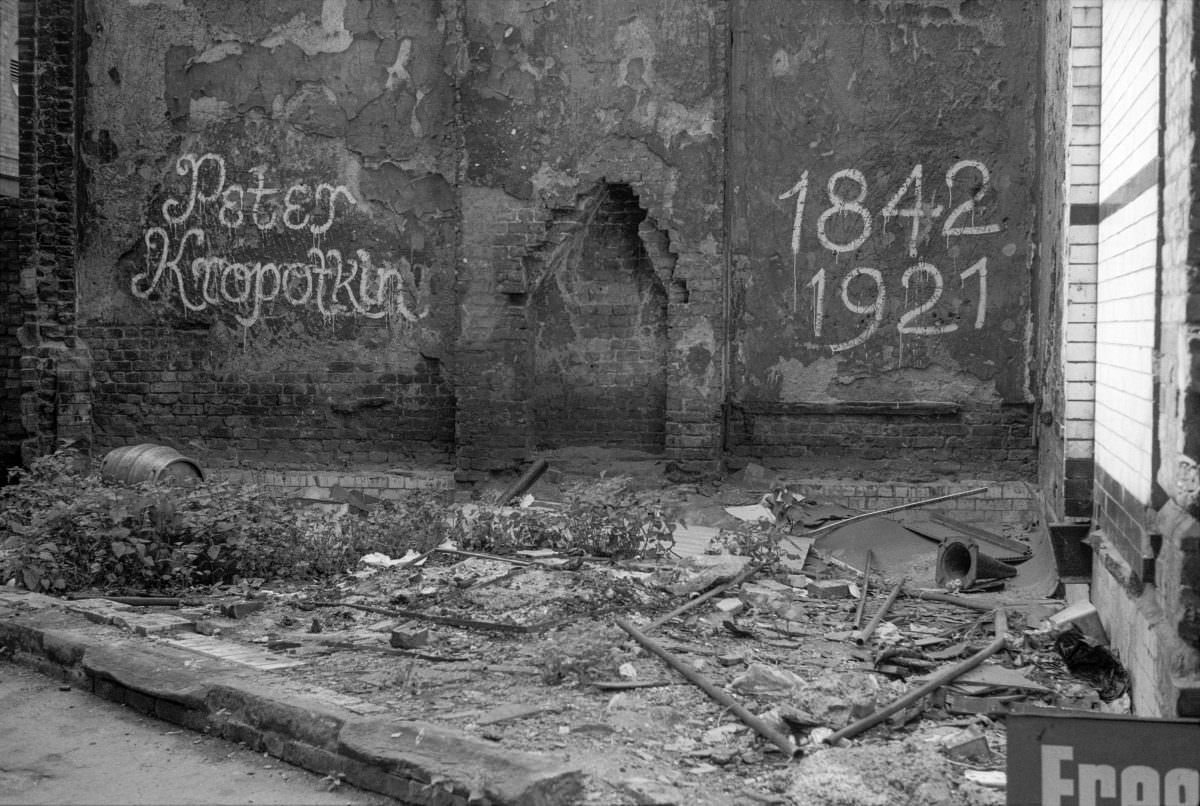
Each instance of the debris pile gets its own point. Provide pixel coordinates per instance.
(796, 657)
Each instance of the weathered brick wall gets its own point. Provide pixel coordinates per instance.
(1178, 564)
(995, 443)
(1050, 280)
(269, 263)
(600, 347)
(335, 236)
(157, 387)
(12, 431)
(559, 104)
(54, 364)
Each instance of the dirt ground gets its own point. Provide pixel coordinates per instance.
(531, 657)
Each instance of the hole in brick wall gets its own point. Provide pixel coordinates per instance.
(679, 292)
(600, 318)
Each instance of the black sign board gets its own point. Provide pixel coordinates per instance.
(1076, 758)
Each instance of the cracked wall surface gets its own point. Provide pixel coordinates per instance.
(883, 188)
(272, 226)
(330, 227)
(558, 98)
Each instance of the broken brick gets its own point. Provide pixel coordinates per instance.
(409, 637)
(240, 610)
(828, 589)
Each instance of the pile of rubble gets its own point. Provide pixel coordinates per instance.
(782, 674)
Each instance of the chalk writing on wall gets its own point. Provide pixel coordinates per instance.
(180, 254)
(922, 283)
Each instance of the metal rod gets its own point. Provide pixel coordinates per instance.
(934, 596)
(776, 738)
(862, 599)
(835, 524)
(138, 601)
(524, 481)
(478, 555)
(747, 572)
(937, 681)
(869, 630)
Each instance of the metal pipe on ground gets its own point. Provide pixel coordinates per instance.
(934, 596)
(746, 573)
(862, 597)
(524, 481)
(776, 738)
(865, 634)
(933, 684)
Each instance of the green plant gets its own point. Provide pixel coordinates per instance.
(63, 529)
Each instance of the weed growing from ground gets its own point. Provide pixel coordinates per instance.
(65, 529)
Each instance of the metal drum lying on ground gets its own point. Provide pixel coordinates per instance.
(132, 464)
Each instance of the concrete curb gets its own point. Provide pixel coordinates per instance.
(414, 762)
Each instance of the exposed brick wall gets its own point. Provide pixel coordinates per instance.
(155, 386)
(638, 104)
(1013, 503)
(601, 328)
(269, 263)
(1178, 564)
(540, 142)
(54, 403)
(997, 442)
(1050, 279)
(12, 432)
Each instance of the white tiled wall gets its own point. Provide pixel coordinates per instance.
(1084, 178)
(1127, 244)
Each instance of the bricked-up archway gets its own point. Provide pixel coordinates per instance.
(599, 314)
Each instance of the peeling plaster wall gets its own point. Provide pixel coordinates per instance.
(883, 165)
(271, 239)
(326, 221)
(559, 98)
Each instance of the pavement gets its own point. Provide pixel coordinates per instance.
(154, 663)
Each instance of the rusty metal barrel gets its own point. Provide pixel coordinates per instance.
(132, 464)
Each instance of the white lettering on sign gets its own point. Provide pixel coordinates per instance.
(847, 192)
(322, 279)
(1065, 783)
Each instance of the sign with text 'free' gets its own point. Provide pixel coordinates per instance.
(1073, 758)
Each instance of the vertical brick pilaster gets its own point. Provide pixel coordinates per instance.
(52, 54)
